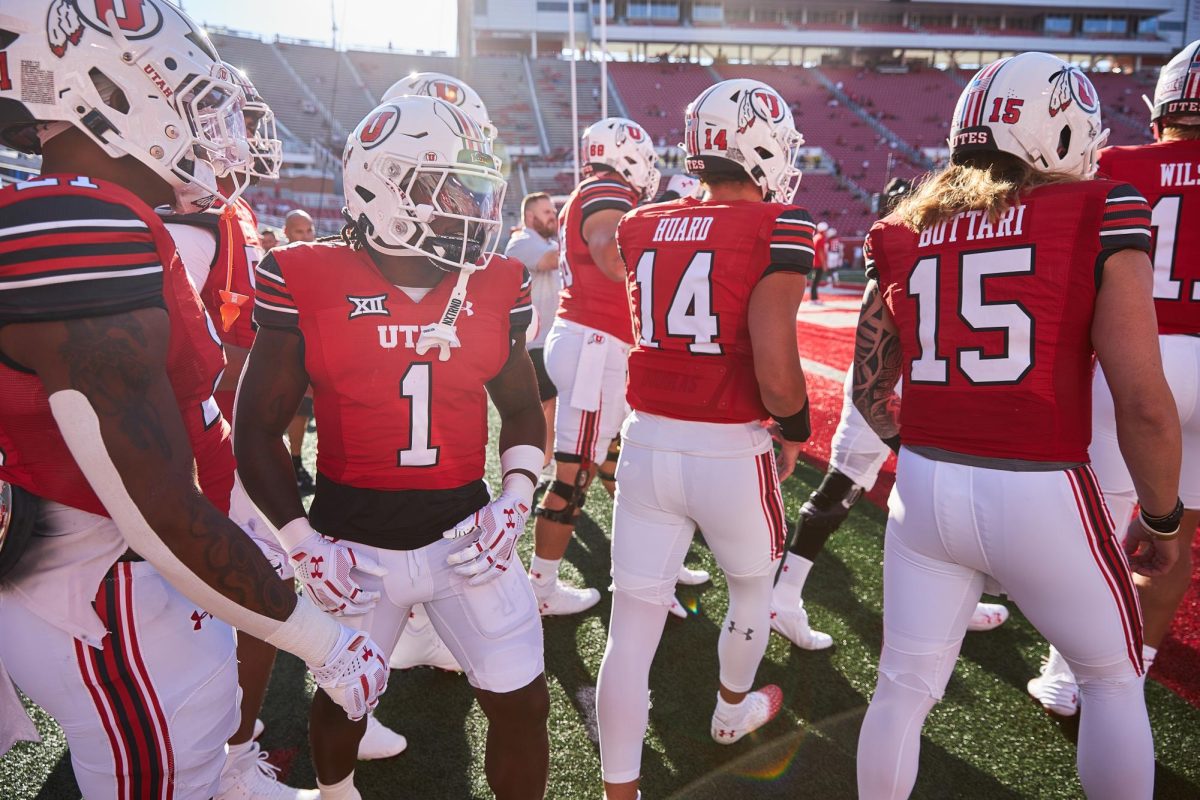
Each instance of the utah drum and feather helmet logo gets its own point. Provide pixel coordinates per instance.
(446, 90)
(759, 104)
(1072, 86)
(137, 19)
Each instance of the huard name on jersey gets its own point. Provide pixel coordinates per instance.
(682, 229)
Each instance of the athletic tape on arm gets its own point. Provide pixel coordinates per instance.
(307, 633)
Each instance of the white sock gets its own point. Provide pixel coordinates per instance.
(235, 753)
(544, 570)
(726, 710)
(342, 790)
(1148, 655)
(790, 585)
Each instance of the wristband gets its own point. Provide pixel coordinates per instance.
(797, 427)
(515, 462)
(1164, 527)
(893, 442)
(291, 535)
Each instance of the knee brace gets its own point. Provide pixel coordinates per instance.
(574, 495)
(823, 513)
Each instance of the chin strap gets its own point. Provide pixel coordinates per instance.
(442, 334)
(231, 301)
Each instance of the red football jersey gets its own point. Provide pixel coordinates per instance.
(1168, 176)
(691, 267)
(73, 247)
(391, 419)
(237, 255)
(995, 319)
(588, 297)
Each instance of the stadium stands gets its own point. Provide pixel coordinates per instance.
(553, 82)
(657, 94)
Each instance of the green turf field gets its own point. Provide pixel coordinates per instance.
(987, 739)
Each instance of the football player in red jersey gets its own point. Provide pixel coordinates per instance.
(714, 288)
(990, 289)
(108, 428)
(402, 359)
(1166, 175)
(588, 346)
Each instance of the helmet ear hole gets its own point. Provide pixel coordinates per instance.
(112, 96)
(763, 153)
(364, 193)
(1064, 141)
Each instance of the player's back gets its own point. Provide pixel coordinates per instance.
(589, 297)
(1168, 175)
(83, 248)
(691, 267)
(995, 319)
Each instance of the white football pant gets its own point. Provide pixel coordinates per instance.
(1048, 539)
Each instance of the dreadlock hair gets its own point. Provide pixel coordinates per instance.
(351, 234)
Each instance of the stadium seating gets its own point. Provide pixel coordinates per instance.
(916, 106)
(552, 77)
(657, 94)
(327, 75)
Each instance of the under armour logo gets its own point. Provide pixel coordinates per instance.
(198, 617)
(508, 512)
(748, 633)
(368, 306)
(722, 733)
(367, 654)
(468, 309)
(316, 562)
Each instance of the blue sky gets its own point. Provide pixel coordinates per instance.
(407, 24)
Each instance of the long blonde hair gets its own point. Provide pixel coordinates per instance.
(987, 182)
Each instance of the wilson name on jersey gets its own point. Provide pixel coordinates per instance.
(588, 296)
(995, 318)
(389, 418)
(691, 268)
(1167, 175)
(74, 248)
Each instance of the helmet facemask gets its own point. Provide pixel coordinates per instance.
(449, 213)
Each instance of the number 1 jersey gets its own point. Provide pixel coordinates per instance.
(1168, 175)
(995, 318)
(390, 419)
(691, 267)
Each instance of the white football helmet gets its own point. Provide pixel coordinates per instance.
(266, 148)
(420, 177)
(744, 124)
(1036, 107)
(1178, 90)
(139, 78)
(448, 88)
(624, 146)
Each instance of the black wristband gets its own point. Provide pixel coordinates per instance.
(797, 427)
(893, 442)
(1168, 523)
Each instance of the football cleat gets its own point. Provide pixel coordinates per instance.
(420, 645)
(987, 616)
(557, 599)
(677, 608)
(252, 777)
(692, 577)
(380, 741)
(1055, 687)
(757, 709)
(793, 625)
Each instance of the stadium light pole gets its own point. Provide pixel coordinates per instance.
(574, 92)
(603, 59)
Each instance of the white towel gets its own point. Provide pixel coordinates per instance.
(15, 724)
(589, 372)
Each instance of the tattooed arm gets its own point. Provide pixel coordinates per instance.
(273, 383)
(877, 365)
(118, 364)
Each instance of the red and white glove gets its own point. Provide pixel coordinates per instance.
(501, 522)
(354, 674)
(323, 565)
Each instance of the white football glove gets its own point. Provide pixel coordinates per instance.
(354, 675)
(323, 566)
(499, 523)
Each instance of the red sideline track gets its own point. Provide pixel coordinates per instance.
(826, 337)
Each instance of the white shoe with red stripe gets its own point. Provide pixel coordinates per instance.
(1055, 688)
(987, 616)
(757, 709)
(677, 608)
(251, 777)
(692, 577)
(420, 645)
